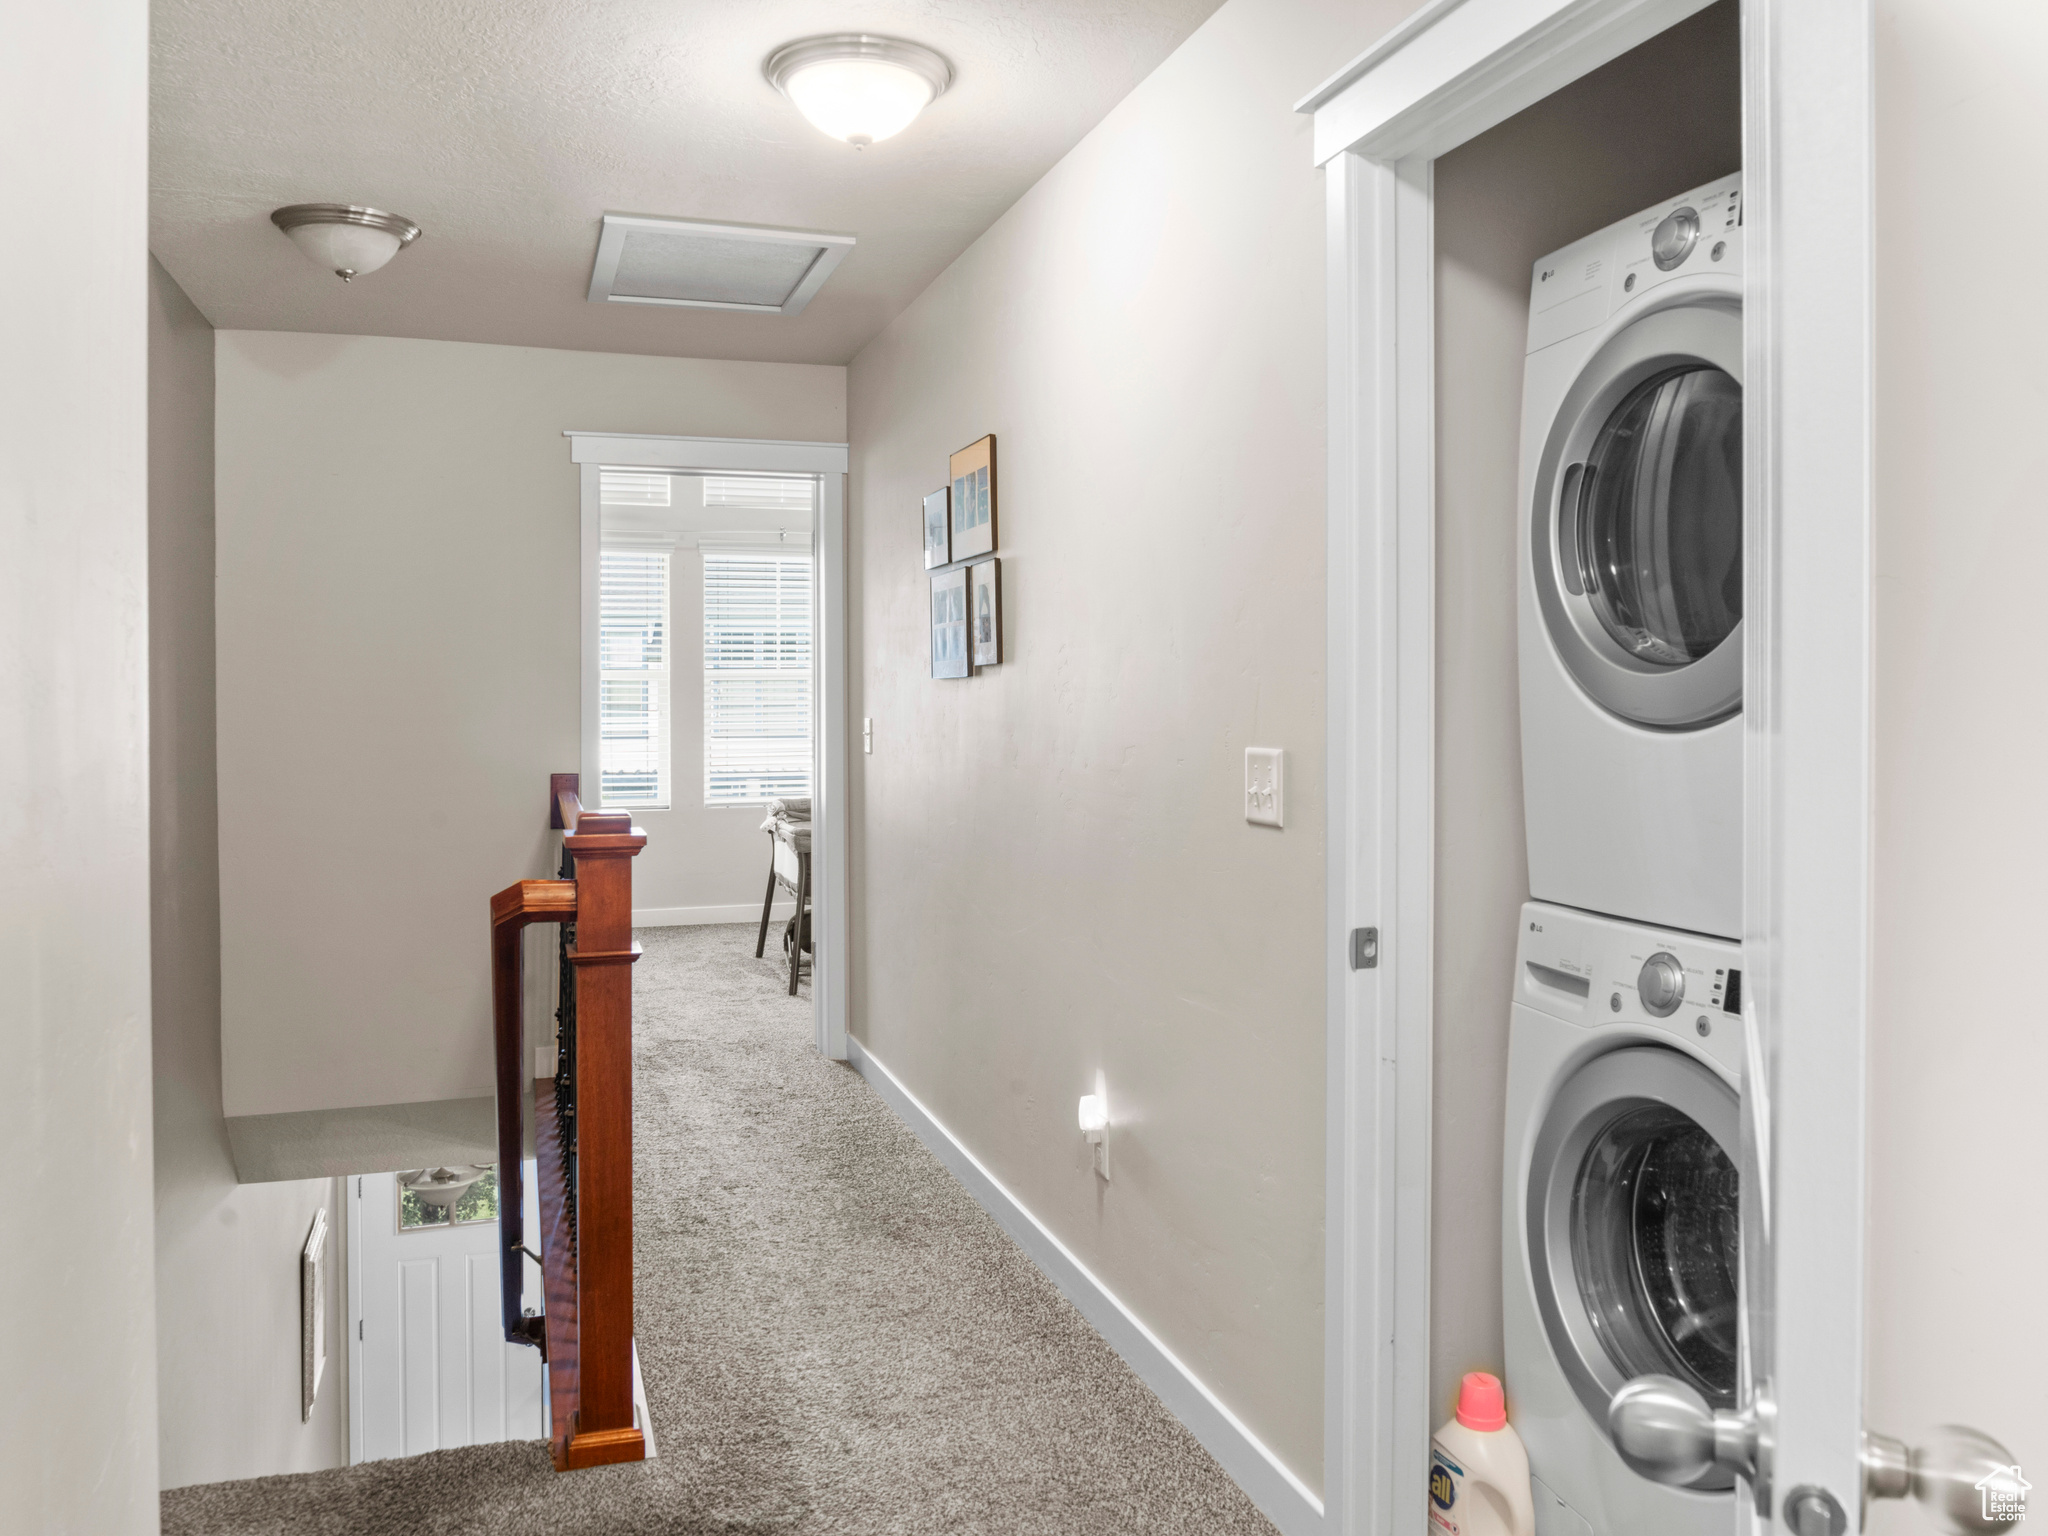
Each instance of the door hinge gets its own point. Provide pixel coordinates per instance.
(1365, 949)
(359, 1330)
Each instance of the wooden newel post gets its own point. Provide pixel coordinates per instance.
(603, 845)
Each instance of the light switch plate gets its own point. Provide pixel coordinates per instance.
(867, 733)
(1099, 1137)
(1265, 790)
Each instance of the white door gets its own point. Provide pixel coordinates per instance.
(429, 1365)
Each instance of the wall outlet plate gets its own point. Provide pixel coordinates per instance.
(1264, 786)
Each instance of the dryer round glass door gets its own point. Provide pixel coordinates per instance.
(1637, 527)
(1633, 1235)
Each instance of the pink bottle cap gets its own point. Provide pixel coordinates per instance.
(1480, 1404)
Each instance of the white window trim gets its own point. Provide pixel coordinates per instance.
(829, 762)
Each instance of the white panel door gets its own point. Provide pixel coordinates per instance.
(432, 1369)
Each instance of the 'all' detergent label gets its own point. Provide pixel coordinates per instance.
(1445, 1479)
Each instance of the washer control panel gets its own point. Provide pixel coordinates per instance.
(1596, 971)
(1696, 234)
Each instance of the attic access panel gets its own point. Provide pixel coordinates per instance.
(690, 264)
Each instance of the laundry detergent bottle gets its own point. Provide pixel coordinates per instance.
(1478, 1471)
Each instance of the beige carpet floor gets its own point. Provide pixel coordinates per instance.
(835, 1337)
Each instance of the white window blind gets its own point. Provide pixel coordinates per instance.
(633, 677)
(758, 493)
(757, 675)
(625, 488)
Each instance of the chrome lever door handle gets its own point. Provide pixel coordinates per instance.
(1965, 1480)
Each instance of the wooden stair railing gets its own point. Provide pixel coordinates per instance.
(512, 909)
(583, 1133)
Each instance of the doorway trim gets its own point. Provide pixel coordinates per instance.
(825, 463)
(1452, 70)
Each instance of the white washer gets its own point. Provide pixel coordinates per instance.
(1631, 567)
(1619, 1237)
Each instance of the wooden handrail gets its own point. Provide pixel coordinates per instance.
(586, 1257)
(534, 901)
(512, 909)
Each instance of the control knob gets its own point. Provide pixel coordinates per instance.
(1661, 985)
(1674, 239)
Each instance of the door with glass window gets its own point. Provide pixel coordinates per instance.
(1633, 1221)
(1638, 520)
(430, 1368)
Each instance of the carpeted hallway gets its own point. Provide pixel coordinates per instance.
(835, 1338)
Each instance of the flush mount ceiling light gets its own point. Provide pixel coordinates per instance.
(345, 239)
(858, 88)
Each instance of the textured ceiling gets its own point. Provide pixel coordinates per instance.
(505, 128)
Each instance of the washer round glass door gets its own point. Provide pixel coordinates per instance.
(1637, 530)
(1633, 1236)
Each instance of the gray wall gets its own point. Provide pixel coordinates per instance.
(1661, 118)
(1053, 877)
(1958, 1204)
(398, 645)
(78, 1394)
(227, 1255)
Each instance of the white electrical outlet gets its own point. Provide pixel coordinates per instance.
(867, 733)
(1264, 786)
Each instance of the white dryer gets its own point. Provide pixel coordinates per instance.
(1631, 567)
(1619, 1237)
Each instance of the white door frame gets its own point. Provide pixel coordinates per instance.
(1451, 71)
(826, 463)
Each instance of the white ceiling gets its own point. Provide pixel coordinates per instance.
(505, 128)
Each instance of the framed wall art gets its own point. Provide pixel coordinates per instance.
(949, 623)
(973, 474)
(985, 612)
(938, 544)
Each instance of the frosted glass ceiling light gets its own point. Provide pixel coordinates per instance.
(346, 240)
(858, 88)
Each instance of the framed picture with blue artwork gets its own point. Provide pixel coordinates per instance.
(949, 623)
(973, 474)
(985, 612)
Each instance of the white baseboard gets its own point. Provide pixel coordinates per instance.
(1281, 1496)
(640, 1414)
(686, 917)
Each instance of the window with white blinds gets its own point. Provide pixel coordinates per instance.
(758, 493)
(757, 675)
(633, 677)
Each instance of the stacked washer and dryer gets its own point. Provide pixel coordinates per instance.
(1619, 1216)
